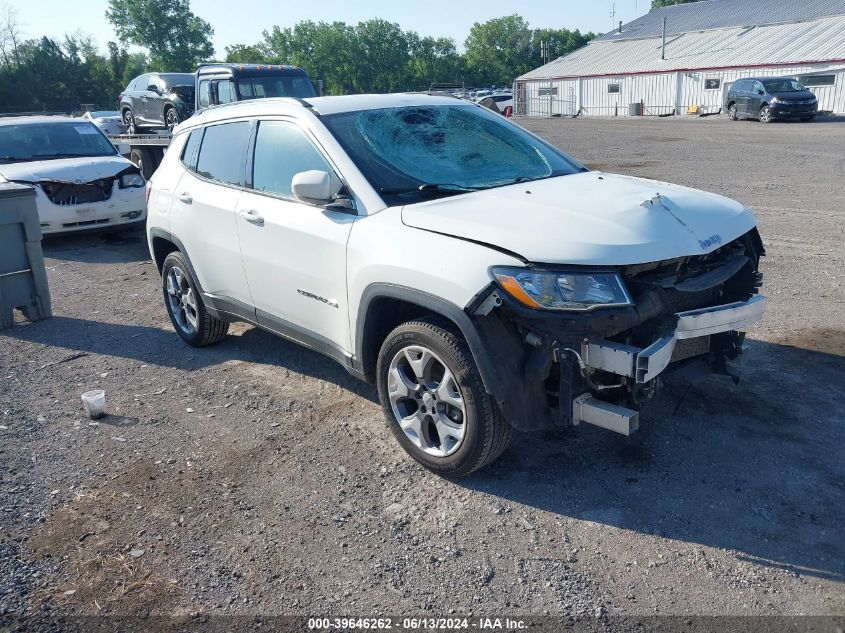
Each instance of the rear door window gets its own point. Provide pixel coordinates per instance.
(223, 152)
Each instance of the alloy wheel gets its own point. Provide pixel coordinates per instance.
(732, 113)
(426, 401)
(129, 122)
(171, 119)
(182, 300)
(765, 115)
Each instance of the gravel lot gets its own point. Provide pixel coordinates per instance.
(256, 477)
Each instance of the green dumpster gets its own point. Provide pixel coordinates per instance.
(23, 279)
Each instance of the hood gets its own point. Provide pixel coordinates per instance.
(67, 169)
(589, 218)
(793, 95)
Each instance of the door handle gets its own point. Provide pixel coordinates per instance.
(185, 197)
(253, 217)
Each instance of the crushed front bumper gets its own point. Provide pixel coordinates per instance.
(644, 364)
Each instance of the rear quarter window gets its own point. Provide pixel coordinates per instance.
(191, 149)
(222, 152)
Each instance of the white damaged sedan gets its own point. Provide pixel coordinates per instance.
(80, 179)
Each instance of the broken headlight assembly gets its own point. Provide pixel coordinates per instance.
(130, 181)
(563, 290)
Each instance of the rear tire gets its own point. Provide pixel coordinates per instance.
(145, 160)
(732, 112)
(437, 407)
(129, 121)
(185, 306)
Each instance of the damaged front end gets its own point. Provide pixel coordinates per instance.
(683, 316)
(65, 204)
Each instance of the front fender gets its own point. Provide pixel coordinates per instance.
(468, 328)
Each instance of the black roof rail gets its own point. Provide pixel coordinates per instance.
(299, 100)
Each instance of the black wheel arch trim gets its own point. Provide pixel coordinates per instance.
(487, 370)
(168, 236)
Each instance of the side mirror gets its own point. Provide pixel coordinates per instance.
(761, 92)
(123, 148)
(153, 88)
(315, 187)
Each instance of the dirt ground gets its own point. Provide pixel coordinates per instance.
(256, 477)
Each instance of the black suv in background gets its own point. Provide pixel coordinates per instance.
(157, 100)
(223, 83)
(770, 98)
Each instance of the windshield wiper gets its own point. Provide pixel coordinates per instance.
(430, 188)
(18, 159)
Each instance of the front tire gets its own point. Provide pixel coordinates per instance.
(434, 400)
(185, 305)
(765, 114)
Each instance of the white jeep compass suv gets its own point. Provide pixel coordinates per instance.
(482, 279)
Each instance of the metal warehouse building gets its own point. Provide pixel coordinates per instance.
(682, 59)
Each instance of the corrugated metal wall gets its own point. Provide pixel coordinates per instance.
(659, 93)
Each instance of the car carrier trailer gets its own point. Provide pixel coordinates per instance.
(145, 150)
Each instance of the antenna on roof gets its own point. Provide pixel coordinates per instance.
(613, 13)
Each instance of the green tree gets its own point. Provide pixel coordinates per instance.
(177, 40)
(383, 56)
(498, 50)
(560, 41)
(246, 54)
(123, 65)
(656, 4)
(325, 50)
(432, 60)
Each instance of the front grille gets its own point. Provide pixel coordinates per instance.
(67, 194)
(726, 275)
(71, 225)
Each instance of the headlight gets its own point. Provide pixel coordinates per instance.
(128, 181)
(563, 290)
(776, 100)
(813, 101)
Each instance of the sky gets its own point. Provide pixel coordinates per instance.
(242, 21)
